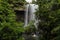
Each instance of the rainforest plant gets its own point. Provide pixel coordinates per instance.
(9, 28)
(49, 15)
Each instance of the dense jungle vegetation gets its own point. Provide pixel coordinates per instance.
(48, 13)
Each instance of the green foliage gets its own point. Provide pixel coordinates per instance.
(30, 28)
(9, 28)
(16, 4)
(49, 14)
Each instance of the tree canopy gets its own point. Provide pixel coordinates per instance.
(49, 14)
(10, 29)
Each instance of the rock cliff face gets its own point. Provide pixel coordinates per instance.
(20, 15)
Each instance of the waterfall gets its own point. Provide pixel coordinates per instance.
(29, 14)
(26, 15)
(32, 10)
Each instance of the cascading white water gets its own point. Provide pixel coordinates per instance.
(26, 15)
(32, 10)
(29, 14)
